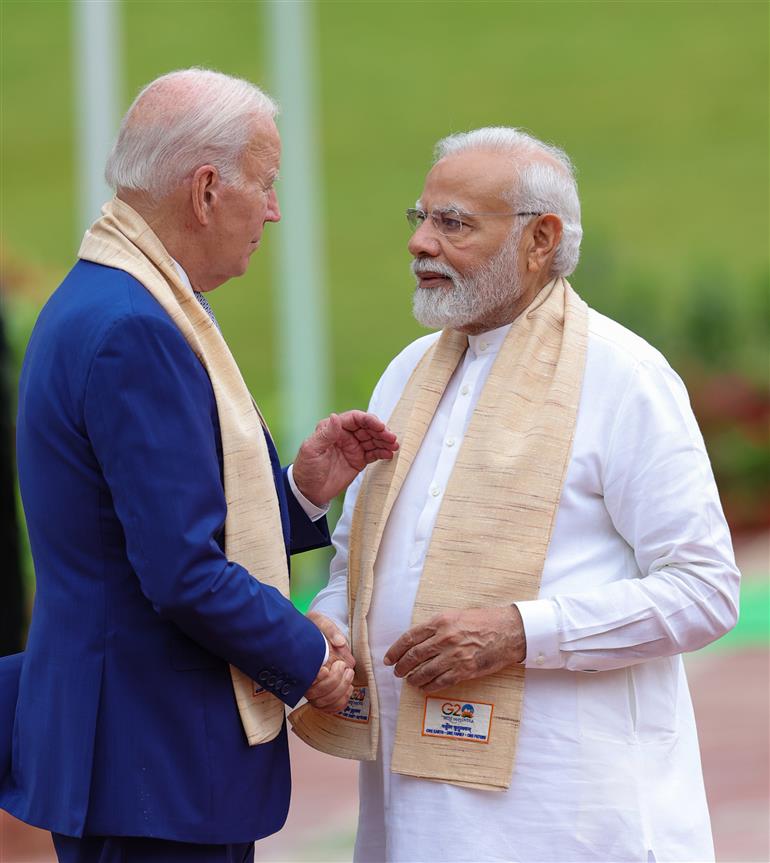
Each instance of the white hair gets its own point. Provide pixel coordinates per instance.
(183, 120)
(545, 181)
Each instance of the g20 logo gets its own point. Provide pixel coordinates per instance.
(452, 708)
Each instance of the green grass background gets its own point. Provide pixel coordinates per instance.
(662, 105)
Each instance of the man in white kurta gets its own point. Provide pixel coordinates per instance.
(639, 570)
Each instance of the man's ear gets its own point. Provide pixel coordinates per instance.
(204, 191)
(544, 240)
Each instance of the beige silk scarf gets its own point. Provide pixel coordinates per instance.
(253, 535)
(488, 546)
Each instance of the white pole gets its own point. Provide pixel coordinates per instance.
(300, 298)
(96, 45)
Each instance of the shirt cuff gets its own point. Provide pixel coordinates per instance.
(541, 629)
(313, 512)
(326, 655)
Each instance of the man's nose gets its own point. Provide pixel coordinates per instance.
(273, 213)
(424, 241)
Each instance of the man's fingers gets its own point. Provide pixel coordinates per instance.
(335, 689)
(384, 437)
(378, 455)
(378, 443)
(329, 429)
(415, 657)
(342, 654)
(428, 671)
(407, 641)
(336, 700)
(441, 681)
(328, 679)
(355, 419)
(367, 427)
(336, 639)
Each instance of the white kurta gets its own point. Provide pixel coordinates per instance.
(640, 569)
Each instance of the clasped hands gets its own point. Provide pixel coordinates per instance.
(450, 648)
(333, 684)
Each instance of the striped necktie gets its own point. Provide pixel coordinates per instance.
(206, 307)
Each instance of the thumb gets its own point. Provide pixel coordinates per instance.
(333, 428)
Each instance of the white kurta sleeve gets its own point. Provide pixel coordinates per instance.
(660, 493)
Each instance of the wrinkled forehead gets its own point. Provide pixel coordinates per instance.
(263, 152)
(473, 180)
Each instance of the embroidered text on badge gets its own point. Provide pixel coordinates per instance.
(457, 720)
(357, 708)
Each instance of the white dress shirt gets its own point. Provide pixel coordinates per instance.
(640, 568)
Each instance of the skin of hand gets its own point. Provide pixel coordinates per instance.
(334, 682)
(338, 644)
(332, 687)
(458, 645)
(340, 447)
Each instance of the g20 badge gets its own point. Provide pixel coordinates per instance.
(469, 721)
(452, 708)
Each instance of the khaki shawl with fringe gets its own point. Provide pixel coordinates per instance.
(253, 535)
(489, 543)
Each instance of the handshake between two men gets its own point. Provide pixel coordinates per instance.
(327, 462)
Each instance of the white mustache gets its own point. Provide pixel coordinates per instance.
(426, 265)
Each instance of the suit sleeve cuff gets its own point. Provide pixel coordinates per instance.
(313, 512)
(541, 629)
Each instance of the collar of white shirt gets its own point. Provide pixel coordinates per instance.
(183, 275)
(486, 344)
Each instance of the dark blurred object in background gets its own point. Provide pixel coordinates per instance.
(734, 416)
(11, 587)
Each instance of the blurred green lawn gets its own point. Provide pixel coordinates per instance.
(662, 105)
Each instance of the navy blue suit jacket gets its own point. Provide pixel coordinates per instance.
(126, 722)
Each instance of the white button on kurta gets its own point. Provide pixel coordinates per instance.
(639, 570)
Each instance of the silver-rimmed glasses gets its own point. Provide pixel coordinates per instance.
(450, 221)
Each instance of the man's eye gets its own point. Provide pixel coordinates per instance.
(451, 224)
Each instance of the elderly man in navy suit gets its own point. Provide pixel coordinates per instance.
(140, 456)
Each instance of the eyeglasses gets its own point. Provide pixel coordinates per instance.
(449, 221)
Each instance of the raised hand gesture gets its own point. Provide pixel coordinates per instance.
(340, 447)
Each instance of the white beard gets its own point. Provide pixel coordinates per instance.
(471, 299)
